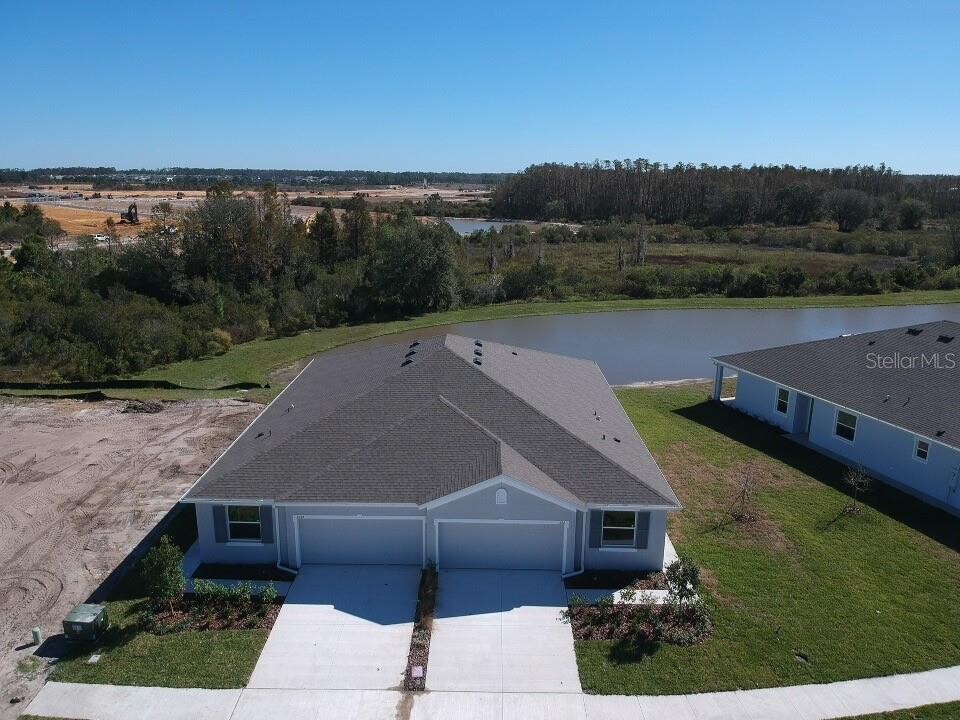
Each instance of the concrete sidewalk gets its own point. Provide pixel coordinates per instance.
(802, 702)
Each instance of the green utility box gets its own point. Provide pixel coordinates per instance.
(85, 623)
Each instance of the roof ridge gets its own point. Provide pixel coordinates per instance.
(553, 422)
(842, 336)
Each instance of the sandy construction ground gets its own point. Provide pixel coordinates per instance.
(80, 221)
(80, 485)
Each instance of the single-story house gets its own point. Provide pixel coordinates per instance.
(460, 452)
(887, 402)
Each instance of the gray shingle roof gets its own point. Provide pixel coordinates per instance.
(387, 425)
(912, 394)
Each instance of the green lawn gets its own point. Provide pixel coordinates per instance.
(131, 656)
(801, 595)
(946, 711)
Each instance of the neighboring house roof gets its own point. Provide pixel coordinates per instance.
(412, 423)
(914, 394)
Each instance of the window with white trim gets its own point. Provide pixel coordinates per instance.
(783, 400)
(501, 497)
(619, 528)
(846, 425)
(243, 522)
(921, 450)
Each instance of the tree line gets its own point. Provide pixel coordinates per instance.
(231, 269)
(702, 195)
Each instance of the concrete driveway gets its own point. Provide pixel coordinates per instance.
(342, 627)
(500, 631)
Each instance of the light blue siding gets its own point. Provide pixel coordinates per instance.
(229, 552)
(888, 452)
(882, 450)
(370, 537)
(649, 558)
(757, 397)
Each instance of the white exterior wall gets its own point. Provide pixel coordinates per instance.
(888, 451)
(757, 397)
(649, 558)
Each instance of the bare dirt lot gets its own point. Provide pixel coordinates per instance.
(80, 485)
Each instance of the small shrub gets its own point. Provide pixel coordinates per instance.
(241, 593)
(219, 342)
(209, 594)
(683, 579)
(269, 595)
(162, 571)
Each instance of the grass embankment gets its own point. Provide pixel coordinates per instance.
(804, 593)
(131, 655)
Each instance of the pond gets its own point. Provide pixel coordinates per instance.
(465, 226)
(638, 346)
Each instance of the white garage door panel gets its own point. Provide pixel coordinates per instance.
(359, 541)
(510, 546)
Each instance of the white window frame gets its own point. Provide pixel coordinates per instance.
(618, 546)
(258, 523)
(836, 424)
(916, 450)
(500, 497)
(776, 401)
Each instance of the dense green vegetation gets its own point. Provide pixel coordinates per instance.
(726, 196)
(800, 592)
(238, 268)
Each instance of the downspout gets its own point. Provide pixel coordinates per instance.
(276, 540)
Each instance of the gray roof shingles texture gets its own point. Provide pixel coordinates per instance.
(915, 393)
(363, 427)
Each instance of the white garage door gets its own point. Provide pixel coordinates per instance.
(361, 541)
(501, 545)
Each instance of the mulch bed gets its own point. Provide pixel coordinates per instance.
(616, 580)
(188, 614)
(422, 630)
(641, 624)
(223, 571)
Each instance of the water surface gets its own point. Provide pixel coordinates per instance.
(652, 345)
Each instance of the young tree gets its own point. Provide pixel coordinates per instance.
(162, 570)
(858, 482)
(741, 509)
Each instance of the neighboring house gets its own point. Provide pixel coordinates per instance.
(466, 453)
(887, 401)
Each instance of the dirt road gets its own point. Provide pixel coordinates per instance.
(80, 485)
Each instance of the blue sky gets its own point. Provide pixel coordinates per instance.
(479, 86)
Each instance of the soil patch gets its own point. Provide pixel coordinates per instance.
(81, 484)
